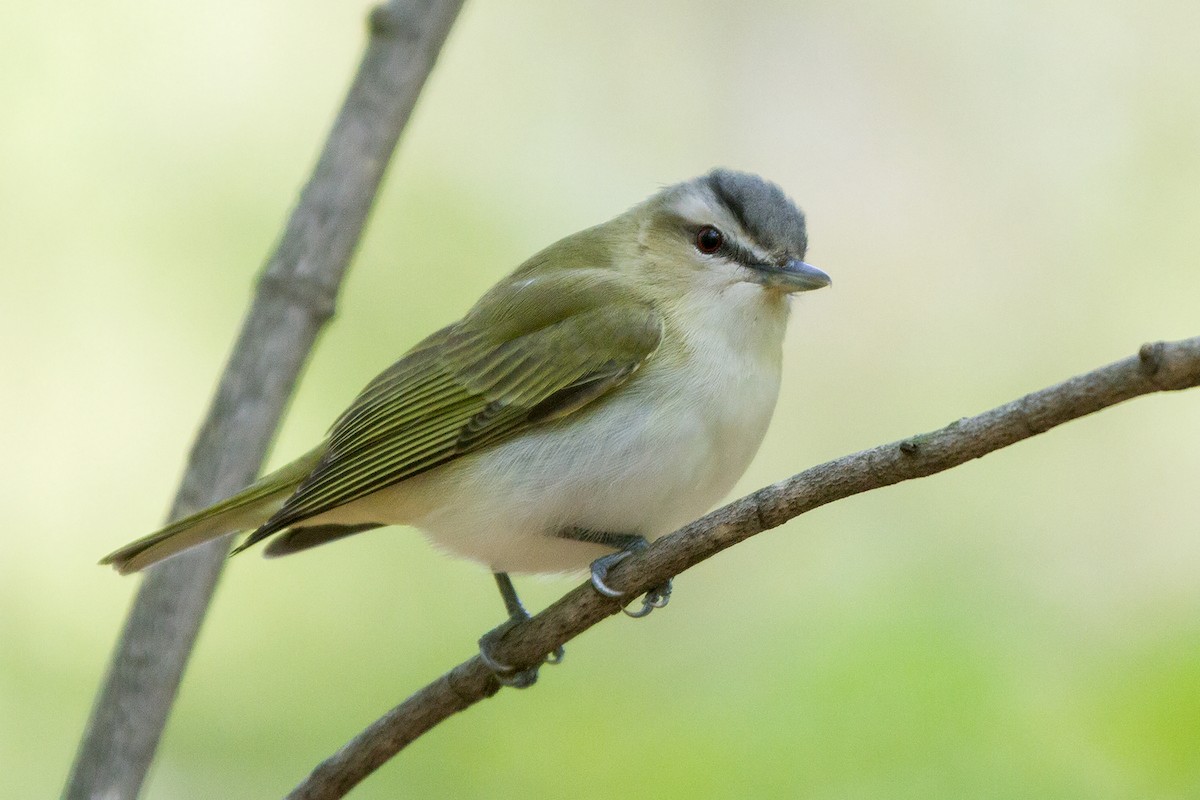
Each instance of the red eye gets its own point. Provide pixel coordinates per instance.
(709, 240)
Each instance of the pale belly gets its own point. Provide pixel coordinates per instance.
(624, 470)
(646, 462)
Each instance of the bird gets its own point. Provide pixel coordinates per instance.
(608, 391)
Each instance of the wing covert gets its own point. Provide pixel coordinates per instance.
(492, 375)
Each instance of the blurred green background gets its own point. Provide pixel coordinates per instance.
(1005, 193)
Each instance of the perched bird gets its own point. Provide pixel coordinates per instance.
(607, 392)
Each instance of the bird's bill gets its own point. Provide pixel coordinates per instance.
(794, 276)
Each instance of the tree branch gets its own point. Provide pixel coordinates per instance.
(294, 299)
(1163, 366)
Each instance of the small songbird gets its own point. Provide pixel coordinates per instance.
(607, 392)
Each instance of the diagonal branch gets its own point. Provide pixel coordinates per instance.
(295, 298)
(1163, 366)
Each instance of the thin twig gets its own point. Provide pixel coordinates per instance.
(295, 298)
(1163, 366)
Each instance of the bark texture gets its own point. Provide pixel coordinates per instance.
(1162, 366)
(294, 299)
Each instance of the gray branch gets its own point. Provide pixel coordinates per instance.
(294, 299)
(1164, 366)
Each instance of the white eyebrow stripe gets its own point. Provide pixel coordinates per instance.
(704, 208)
(693, 206)
(762, 256)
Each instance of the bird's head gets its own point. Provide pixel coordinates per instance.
(725, 228)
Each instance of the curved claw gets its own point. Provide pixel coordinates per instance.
(644, 611)
(519, 680)
(498, 667)
(506, 674)
(600, 569)
(658, 597)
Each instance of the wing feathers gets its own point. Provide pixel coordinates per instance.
(476, 383)
(423, 394)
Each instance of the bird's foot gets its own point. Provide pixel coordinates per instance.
(657, 597)
(505, 674)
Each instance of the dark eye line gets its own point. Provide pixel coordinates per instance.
(732, 250)
(743, 256)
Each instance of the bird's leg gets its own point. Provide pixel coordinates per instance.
(625, 545)
(510, 676)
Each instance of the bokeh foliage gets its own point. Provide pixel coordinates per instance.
(1005, 194)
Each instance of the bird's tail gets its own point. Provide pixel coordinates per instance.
(248, 508)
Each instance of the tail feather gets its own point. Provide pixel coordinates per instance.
(297, 539)
(247, 509)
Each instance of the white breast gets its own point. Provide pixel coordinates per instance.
(645, 462)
